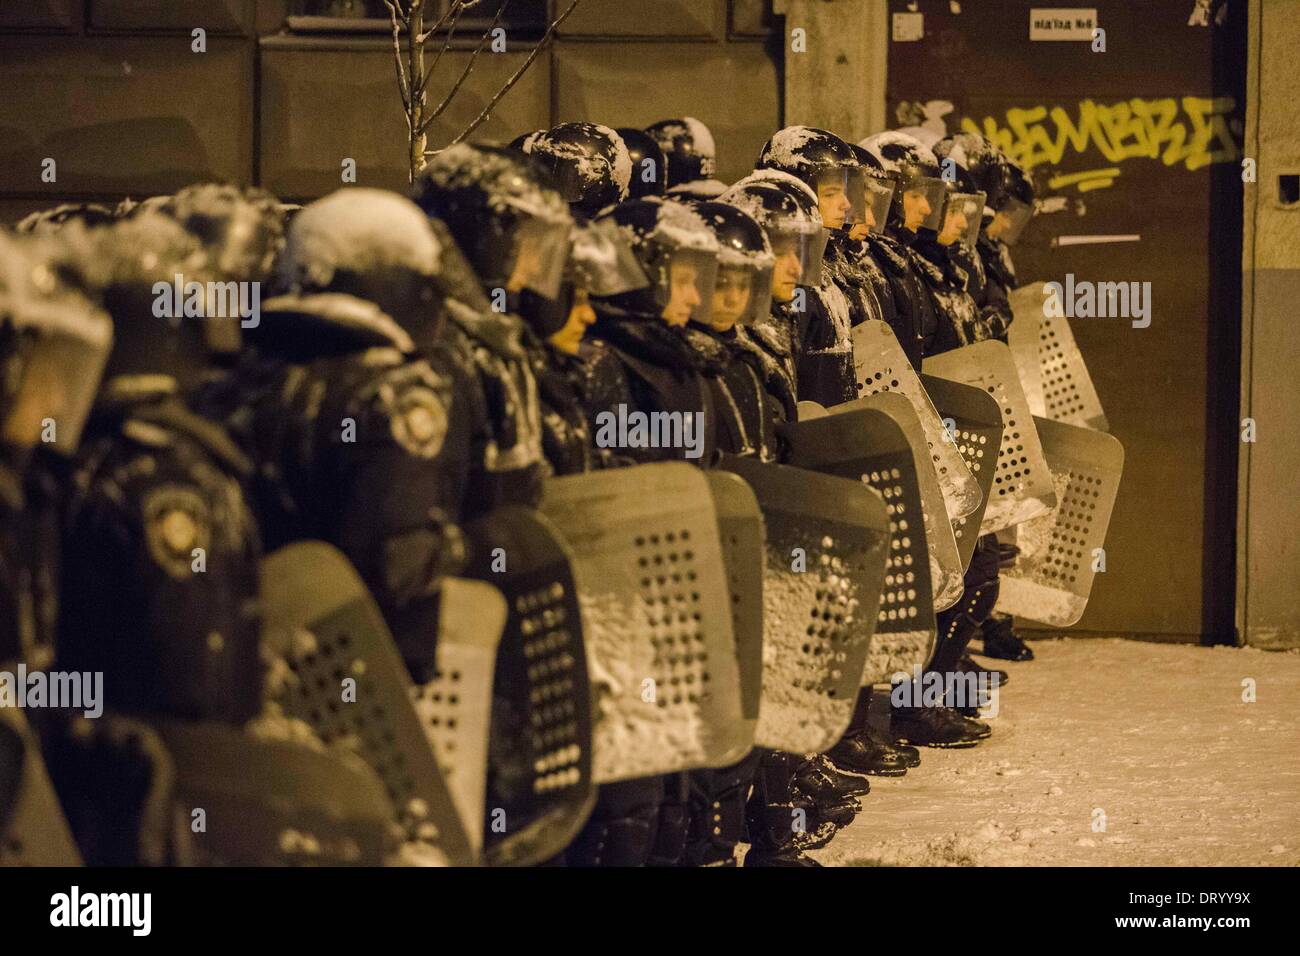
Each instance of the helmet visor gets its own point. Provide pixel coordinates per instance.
(920, 203)
(873, 199)
(541, 250)
(805, 241)
(962, 214)
(835, 189)
(57, 383)
(686, 284)
(1010, 221)
(742, 294)
(602, 262)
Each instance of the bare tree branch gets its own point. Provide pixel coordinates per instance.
(542, 44)
(457, 8)
(469, 68)
(402, 86)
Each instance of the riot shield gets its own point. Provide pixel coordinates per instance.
(455, 706)
(881, 365)
(807, 411)
(1022, 338)
(656, 618)
(1022, 486)
(33, 829)
(241, 800)
(742, 531)
(868, 445)
(1069, 394)
(337, 669)
(1060, 552)
(974, 424)
(827, 539)
(539, 784)
(945, 561)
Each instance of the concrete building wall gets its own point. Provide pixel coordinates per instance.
(1268, 609)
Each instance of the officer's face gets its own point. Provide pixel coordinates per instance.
(528, 267)
(915, 209)
(581, 315)
(834, 203)
(1000, 224)
(786, 274)
(954, 226)
(730, 297)
(683, 293)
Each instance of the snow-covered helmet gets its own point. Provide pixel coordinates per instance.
(688, 145)
(590, 163)
(826, 164)
(49, 220)
(743, 291)
(371, 244)
(649, 165)
(789, 215)
(919, 198)
(54, 343)
(679, 255)
(241, 228)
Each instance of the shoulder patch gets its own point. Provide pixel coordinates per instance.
(417, 418)
(176, 521)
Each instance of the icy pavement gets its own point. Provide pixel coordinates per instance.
(1106, 752)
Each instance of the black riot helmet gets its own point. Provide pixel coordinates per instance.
(524, 141)
(790, 217)
(826, 164)
(1017, 206)
(689, 148)
(919, 196)
(742, 293)
(359, 252)
(876, 196)
(241, 229)
(504, 213)
(54, 343)
(679, 255)
(50, 220)
(171, 313)
(589, 162)
(649, 166)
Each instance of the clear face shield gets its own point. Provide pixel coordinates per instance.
(685, 290)
(962, 215)
(920, 203)
(798, 247)
(1010, 221)
(53, 376)
(835, 189)
(742, 293)
(602, 262)
(871, 197)
(538, 256)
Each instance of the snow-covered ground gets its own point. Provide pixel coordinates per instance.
(1152, 740)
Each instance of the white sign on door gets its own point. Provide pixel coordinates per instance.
(1061, 23)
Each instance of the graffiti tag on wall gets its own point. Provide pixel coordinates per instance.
(1192, 131)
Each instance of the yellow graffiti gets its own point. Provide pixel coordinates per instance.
(1192, 131)
(1087, 180)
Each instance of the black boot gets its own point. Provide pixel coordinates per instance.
(1002, 642)
(937, 727)
(771, 814)
(864, 752)
(967, 665)
(819, 778)
(717, 812)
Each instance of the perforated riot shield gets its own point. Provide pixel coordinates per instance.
(455, 706)
(867, 445)
(539, 784)
(827, 539)
(743, 534)
(33, 829)
(338, 670)
(945, 562)
(1069, 394)
(881, 365)
(974, 424)
(1022, 486)
(1022, 338)
(240, 800)
(1061, 552)
(652, 583)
